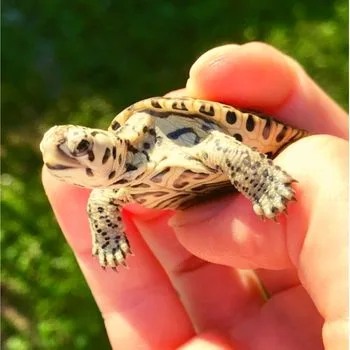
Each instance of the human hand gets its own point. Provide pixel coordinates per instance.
(183, 289)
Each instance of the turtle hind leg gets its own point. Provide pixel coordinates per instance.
(109, 242)
(265, 184)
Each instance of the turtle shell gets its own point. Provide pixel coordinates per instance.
(187, 120)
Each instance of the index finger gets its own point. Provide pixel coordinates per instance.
(133, 303)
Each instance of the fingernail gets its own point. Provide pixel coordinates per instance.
(212, 57)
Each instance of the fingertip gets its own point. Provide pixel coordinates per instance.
(253, 75)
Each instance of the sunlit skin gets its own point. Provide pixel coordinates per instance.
(183, 276)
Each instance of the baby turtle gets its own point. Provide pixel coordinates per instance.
(167, 153)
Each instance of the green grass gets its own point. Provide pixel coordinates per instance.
(84, 61)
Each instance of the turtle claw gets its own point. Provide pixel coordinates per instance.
(275, 220)
(262, 218)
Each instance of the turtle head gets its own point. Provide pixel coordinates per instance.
(87, 157)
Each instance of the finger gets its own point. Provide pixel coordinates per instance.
(133, 302)
(311, 240)
(243, 240)
(288, 320)
(200, 284)
(257, 76)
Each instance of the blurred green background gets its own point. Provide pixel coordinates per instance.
(82, 62)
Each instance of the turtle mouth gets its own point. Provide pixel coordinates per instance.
(58, 166)
(56, 159)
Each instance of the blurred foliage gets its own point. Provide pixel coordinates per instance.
(82, 61)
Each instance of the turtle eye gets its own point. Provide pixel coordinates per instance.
(82, 148)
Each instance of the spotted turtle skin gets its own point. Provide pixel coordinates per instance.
(170, 153)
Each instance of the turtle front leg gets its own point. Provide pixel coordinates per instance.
(252, 173)
(109, 241)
